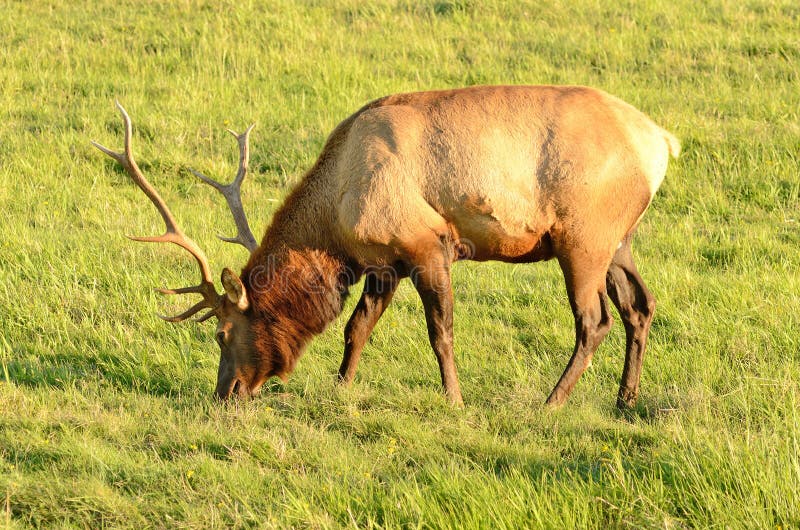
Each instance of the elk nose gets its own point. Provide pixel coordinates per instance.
(222, 394)
(224, 390)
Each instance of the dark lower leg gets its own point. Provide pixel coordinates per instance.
(592, 322)
(636, 306)
(373, 302)
(437, 298)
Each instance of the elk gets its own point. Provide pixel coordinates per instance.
(411, 183)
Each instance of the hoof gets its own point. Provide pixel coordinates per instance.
(556, 398)
(455, 400)
(626, 399)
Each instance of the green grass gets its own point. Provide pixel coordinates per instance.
(106, 416)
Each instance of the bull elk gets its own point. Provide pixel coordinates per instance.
(411, 183)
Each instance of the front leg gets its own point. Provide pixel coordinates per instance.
(378, 292)
(433, 286)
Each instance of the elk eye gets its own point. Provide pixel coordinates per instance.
(221, 338)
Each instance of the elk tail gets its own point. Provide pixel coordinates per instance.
(673, 143)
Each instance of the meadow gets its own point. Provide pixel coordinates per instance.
(106, 413)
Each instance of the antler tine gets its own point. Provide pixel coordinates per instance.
(202, 304)
(244, 151)
(173, 233)
(206, 316)
(233, 193)
(181, 290)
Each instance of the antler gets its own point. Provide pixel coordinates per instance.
(173, 232)
(233, 193)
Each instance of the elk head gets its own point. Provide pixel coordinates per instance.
(241, 369)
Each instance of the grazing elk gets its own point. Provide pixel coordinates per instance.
(411, 183)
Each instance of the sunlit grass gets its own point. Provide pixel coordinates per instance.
(106, 416)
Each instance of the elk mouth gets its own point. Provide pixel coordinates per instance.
(238, 388)
(233, 388)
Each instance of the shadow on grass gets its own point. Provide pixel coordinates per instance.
(109, 373)
(59, 370)
(650, 411)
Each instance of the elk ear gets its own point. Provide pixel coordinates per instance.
(234, 289)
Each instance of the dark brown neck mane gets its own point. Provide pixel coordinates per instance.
(297, 279)
(294, 294)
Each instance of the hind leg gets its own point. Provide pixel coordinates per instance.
(636, 306)
(586, 288)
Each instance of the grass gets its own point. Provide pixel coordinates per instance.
(106, 416)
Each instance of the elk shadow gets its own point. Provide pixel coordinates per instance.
(65, 370)
(589, 467)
